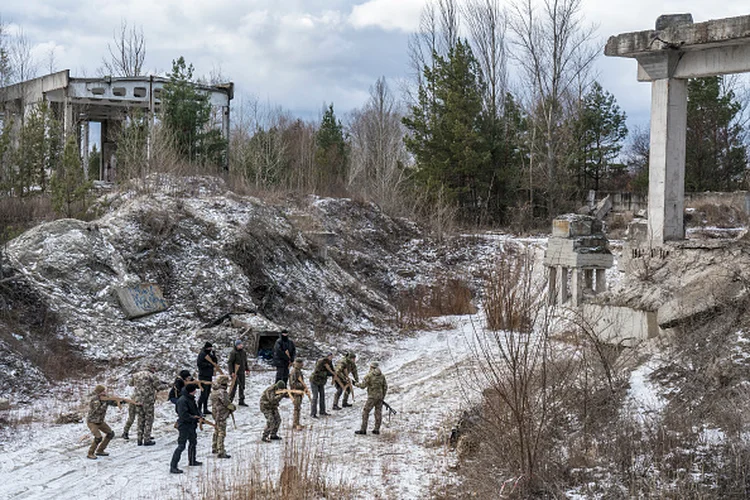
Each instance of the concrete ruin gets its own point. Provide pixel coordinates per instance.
(577, 256)
(667, 57)
(77, 102)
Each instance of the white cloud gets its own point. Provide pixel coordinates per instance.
(389, 15)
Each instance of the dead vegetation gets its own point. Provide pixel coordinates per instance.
(446, 297)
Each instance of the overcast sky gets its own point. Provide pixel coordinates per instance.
(300, 54)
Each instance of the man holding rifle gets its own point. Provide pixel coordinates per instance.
(98, 405)
(343, 385)
(237, 370)
(323, 370)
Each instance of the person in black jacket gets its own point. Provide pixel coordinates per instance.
(188, 418)
(206, 365)
(283, 356)
(179, 383)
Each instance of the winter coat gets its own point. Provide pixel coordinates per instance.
(279, 352)
(345, 367)
(297, 379)
(269, 400)
(237, 357)
(375, 384)
(176, 391)
(206, 369)
(98, 409)
(186, 410)
(320, 374)
(219, 402)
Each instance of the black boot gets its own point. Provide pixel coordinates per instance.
(360, 432)
(175, 470)
(191, 458)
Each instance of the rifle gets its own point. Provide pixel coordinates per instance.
(234, 380)
(202, 421)
(306, 389)
(290, 392)
(120, 400)
(350, 387)
(234, 422)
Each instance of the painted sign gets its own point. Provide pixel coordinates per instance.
(141, 300)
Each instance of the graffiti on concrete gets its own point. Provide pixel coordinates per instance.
(141, 300)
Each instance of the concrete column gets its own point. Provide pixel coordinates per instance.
(588, 277)
(225, 131)
(85, 147)
(666, 181)
(601, 280)
(552, 285)
(576, 290)
(562, 285)
(67, 116)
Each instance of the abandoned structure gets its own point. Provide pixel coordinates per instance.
(577, 254)
(108, 100)
(667, 57)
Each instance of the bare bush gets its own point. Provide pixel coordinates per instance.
(447, 296)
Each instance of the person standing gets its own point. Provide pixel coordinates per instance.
(377, 388)
(348, 365)
(98, 405)
(237, 370)
(297, 383)
(179, 383)
(206, 365)
(269, 407)
(222, 407)
(318, 379)
(132, 413)
(146, 385)
(188, 418)
(284, 353)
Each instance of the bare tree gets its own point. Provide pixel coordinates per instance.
(22, 62)
(127, 52)
(554, 51)
(378, 154)
(487, 25)
(6, 68)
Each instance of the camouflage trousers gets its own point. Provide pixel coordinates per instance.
(100, 443)
(220, 433)
(132, 411)
(145, 419)
(341, 390)
(273, 421)
(369, 405)
(297, 402)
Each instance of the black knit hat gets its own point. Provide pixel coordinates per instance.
(208, 345)
(184, 374)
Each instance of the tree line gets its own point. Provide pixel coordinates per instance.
(501, 122)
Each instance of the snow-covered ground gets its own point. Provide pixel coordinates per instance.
(41, 460)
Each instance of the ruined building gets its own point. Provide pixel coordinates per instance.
(77, 102)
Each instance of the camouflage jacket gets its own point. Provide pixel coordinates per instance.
(375, 384)
(270, 400)
(296, 379)
(146, 384)
(98, 409)
(219, 403)
(345, 367)
(321, 374)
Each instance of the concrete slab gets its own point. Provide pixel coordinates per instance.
(621, 325)
(141, 300)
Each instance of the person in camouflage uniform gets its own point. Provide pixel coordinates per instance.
(98, 405)
(377, 388)
(297, 383)
(323, 370)
(269, 407)
(221, 407)
(146, 386)
(344, 367)
(132, 412)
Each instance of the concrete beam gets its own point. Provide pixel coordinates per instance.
(681, 36)
(696, 64)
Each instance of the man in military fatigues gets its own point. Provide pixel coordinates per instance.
(132, 412)
(323, 370)
(146, 385)
(98, 405)
(269, 407)
(221, 407)
(377, 388)
(297, 383)
(344, 367)
(238, 369)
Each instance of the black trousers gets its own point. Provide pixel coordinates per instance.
(187, 433)
(282, 373)
(240, 384)
(203, 400)
(318, 395)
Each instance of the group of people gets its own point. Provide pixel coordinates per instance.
(221, 391)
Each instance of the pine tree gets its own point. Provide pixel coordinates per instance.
(331, 155)
(716, 157)
(69, 184)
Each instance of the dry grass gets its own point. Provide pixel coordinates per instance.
(446, 297)
(20, 214)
